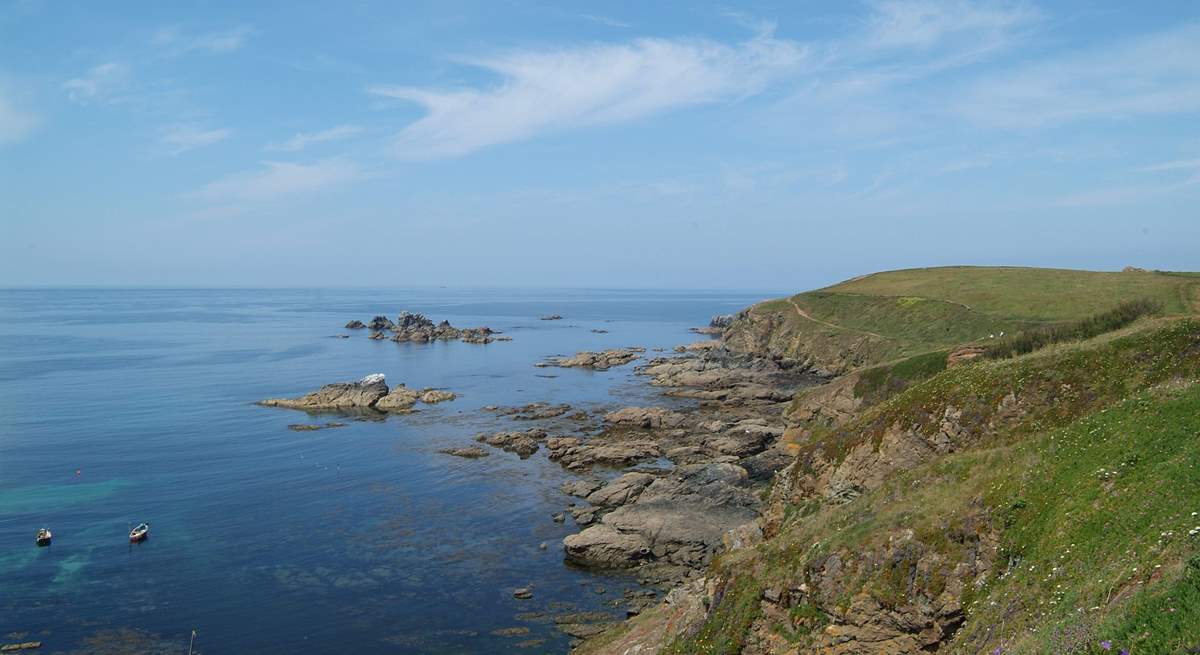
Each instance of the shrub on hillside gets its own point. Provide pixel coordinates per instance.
(1095, 325)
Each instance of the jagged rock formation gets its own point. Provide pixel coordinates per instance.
(410, 326)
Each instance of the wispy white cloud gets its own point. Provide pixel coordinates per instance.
(213, 43)
(100, 83)
(15, 124)
(275, 180)
(1120, 195)
(1157, 74)
(181, 138)
(548, 90)
(605, 20)
(304, 139)
(966, 164)
(924, 24)
(1177, 165)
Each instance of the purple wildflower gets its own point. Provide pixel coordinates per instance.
(998, 651)
(1124, 651)
(1106, 644)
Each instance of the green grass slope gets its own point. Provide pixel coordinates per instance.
(898, 314)
(1033, 294)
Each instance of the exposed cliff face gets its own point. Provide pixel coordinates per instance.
(781, 331)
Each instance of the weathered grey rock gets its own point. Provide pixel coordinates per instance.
(645, 417)
(578, 454)
(621, 491)
(437, 396)
(584, 516)
(679, 518)
(603, 546)
(399, 399)
(580, 488)
(355, 325)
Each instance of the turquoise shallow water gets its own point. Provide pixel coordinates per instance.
(121, 406)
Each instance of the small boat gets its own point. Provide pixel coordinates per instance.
(139, 533)
(44, 537)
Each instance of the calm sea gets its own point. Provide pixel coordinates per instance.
(121, 406)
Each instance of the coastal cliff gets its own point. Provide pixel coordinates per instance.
(1000, 461)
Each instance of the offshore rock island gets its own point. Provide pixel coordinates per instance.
(416, 327)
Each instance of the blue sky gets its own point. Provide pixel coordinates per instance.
(758, 145)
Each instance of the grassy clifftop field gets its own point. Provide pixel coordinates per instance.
(897, 314)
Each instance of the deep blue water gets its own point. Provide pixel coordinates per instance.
(121, 406)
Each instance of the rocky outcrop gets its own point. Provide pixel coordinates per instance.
(409, 326)
(778, 331)
(597, 361)
(361, 394)
(431, 396)
(579, 454)
(827, 405)
(369, 393)
(523, 443)
(603, 546)
(678, 518)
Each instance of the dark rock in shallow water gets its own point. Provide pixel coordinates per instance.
(511, 632)
(532, 411)
(469, 452)
(309, 427)
(355, 325)
(523, 443)
(551, 317)
(598, 361)
(523, 593)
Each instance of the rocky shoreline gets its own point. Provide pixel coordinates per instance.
(661, 489)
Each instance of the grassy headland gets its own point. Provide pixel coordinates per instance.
(1041, 497)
